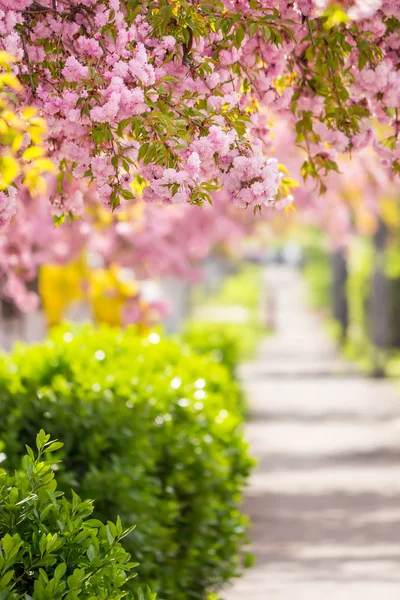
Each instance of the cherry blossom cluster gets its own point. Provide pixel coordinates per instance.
(354, 202)
(132, 89)
(174, 99)
(121, 101)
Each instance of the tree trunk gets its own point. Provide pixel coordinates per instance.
(379, 312)
(340, 306)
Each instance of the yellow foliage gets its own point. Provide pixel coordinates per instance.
(336, 16)
(287, 184)
(9, 170)
(17, 142)
(108, 293)
(6, 59)
(59, 287)
(20, 127)
(138, 185)
(32, 152)
(9, 80)
(28, 112)
(283, 169)
(390, 212)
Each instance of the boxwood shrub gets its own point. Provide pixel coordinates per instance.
(219, 340)
(152, 433)
(49, 548)
(221, 343)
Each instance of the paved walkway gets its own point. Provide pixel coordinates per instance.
(325, 499)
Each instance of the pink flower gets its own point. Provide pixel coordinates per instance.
(89, 46)
(192, 165)
(140, 68)
(24, 299)
(8, 206)
(74, 71)
(101, 168)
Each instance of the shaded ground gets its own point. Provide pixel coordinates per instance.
(325, 499)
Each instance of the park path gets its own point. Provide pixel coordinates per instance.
(325, 498)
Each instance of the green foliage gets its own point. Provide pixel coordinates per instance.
(359, 346)
(359, 286)
(326, 49)
(243, 288)
(219, 340)
(229, 342)
(49, 549)
(152, 433)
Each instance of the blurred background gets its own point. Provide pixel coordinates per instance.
(355, 288)
(215, 327)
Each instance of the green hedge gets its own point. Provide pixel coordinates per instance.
(49, 549)
(151, 432)
(220, 341)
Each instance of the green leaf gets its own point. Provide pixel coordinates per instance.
(75, 579)
(7, 577)
(13, 496)
(54, 446)
(42, 544)
(127, 195)
(109, 535)
(92, 523)
(60, 571)
(91, 553)
(167, 13)
(58, 219)
(30, 452)
(27, 464)
(266, 32)
(127, 531)
(253, 28)
(239, 36)
(143, 150)
(41, 439)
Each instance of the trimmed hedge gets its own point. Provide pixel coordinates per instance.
(151, 432)
(221, 343)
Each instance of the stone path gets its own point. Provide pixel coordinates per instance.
(325, 499)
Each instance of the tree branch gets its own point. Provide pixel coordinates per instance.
(28, 64)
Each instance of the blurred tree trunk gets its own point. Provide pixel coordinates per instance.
(340, 306)
(11, 324)
(18, 326)
(380, 304)
(395, 305)
(178, 295)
